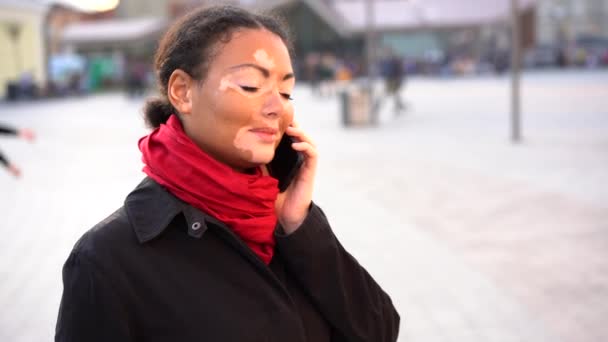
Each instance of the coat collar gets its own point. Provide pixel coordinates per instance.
(151, 208)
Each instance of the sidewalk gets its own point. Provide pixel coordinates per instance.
(529, 221)
(475, 239)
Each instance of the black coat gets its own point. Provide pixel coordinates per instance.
(160, 270)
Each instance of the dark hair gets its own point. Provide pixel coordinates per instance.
(189, 45)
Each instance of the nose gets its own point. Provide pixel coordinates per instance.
(273, 104)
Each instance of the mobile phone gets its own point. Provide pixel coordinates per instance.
(286, 162)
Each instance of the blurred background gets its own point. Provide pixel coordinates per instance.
(464, 151)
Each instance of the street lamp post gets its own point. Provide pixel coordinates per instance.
(369, 36)
(515, 73)
(370, 57)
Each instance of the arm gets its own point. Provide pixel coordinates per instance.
(347, 296)
(90, 308)
(8, 130)
(12, 168)
(3, 160)
(24, 133)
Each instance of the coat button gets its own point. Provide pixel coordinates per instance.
(196, 226)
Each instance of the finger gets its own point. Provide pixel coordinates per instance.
(309, 150)
(294, 130)
(300, 134)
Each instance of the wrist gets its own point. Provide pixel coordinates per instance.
(290, 225)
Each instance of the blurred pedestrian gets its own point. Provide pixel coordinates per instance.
(27, 86)
(24, 133)
(394, 81)
(393, 72)
(137, 72)
(326, 73)
(206, 248)
(312, 65)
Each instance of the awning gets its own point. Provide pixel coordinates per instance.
(113, 30)
(412, 14)
(326, 12)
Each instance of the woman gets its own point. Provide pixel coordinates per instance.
(205, 248)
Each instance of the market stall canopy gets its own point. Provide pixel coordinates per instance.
(412, 14)
(113, 30)
(326, 12)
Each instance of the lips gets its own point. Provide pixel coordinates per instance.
(267, 130)
(266, 134)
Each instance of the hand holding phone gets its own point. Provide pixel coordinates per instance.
(295, 166)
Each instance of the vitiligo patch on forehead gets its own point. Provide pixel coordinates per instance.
(264, 59)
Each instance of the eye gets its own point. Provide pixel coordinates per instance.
(287, 96)
(249, 89)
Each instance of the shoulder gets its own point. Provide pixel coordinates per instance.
(107, 238)
(119, 238)
(147, 211)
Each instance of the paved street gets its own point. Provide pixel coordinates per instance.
(476, 239)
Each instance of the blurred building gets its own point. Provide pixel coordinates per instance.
(112, 43)
(570, 33)
(434, 33)
(134, 9)
(22, 46)
(60, 16)
(116, 33)
(41, 42)
(316, 23)
(560, 21)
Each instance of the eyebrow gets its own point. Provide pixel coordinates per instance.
(261, 69)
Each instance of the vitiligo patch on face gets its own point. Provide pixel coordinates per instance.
(227, 83)
(262, 57)
(245, 141)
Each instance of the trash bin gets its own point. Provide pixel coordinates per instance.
(356, 106)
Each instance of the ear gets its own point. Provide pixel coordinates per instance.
(179, 91)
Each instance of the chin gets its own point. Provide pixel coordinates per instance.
(262, 156)
(262, 161)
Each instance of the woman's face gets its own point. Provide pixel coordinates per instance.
(241, 109)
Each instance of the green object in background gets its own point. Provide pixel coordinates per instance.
(413, 45)
(100, 69)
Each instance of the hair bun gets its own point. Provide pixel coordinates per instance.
(157, 111)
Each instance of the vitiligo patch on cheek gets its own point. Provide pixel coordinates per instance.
(240, 141)
(264, 59)
(245, 142)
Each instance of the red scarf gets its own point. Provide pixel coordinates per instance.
(244, 202)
